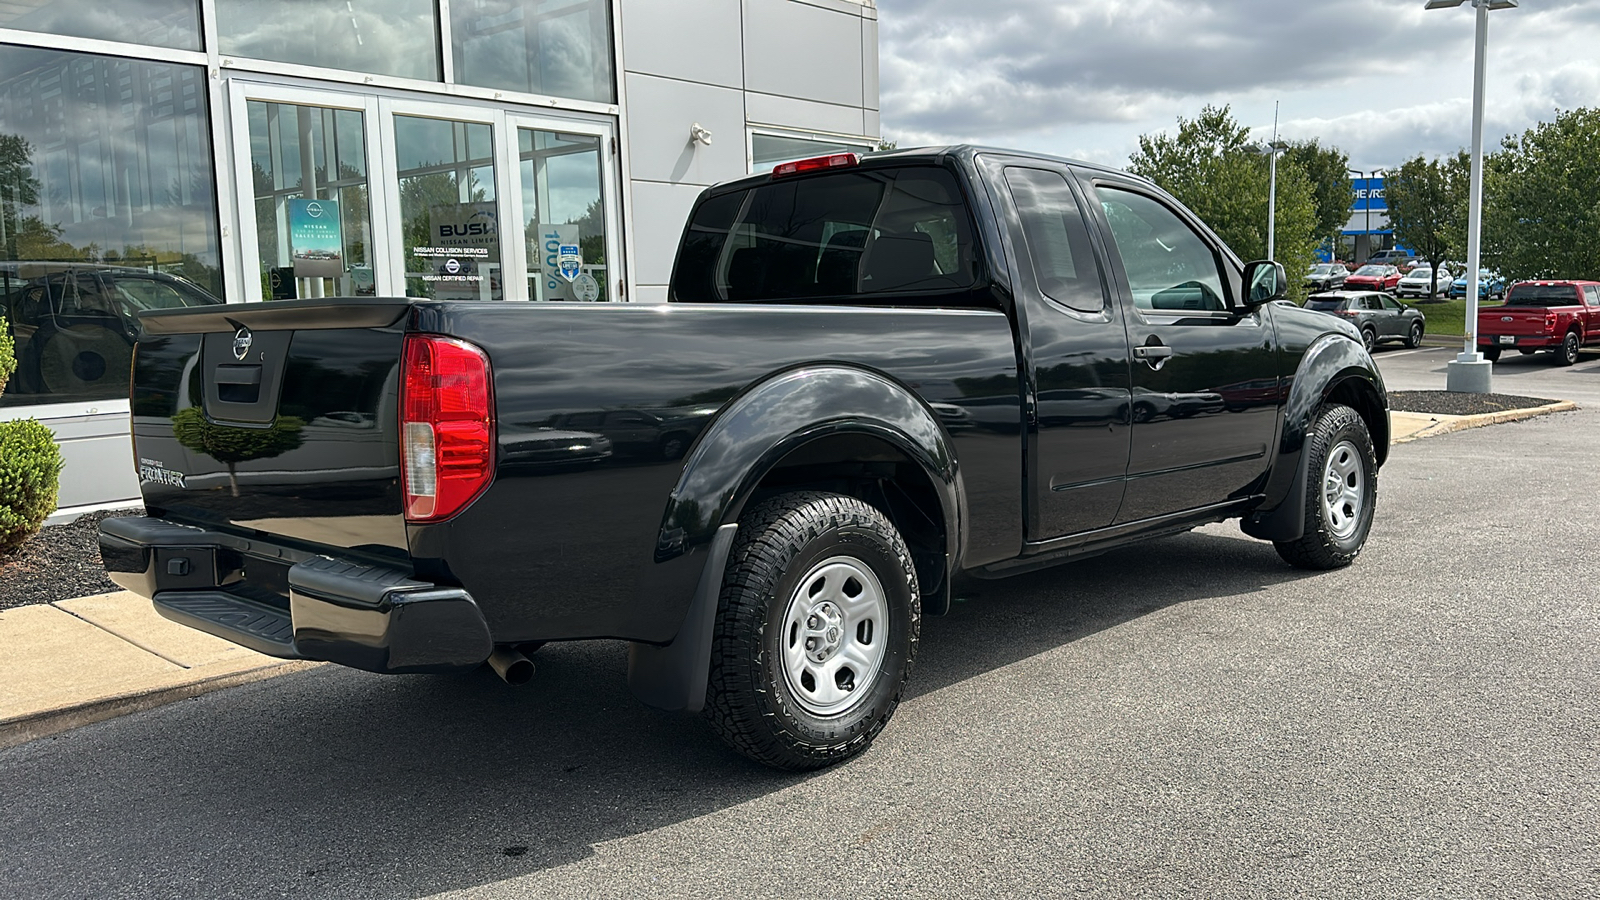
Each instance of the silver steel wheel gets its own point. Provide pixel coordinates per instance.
(1343, 490)
(835, 634)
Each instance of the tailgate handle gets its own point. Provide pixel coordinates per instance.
(238, 374)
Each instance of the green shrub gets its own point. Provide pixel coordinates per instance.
(30, 471)
(8, 356)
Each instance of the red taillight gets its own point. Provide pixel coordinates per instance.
(817, 163)
(1550, 323)
(446, 426)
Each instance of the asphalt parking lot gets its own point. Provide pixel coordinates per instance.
(1190, 718)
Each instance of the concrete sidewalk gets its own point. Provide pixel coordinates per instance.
(67, 664)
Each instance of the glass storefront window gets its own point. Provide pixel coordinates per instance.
(768, 150)
(561, 48)
(448, 214)
(563, 203)
(306, 153)
(384, 37)
(159, 23)
(107, 206)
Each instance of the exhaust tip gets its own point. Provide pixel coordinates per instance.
(512, 667)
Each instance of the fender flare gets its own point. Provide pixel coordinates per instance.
(783, 413)
(766, 423)
(1332, 362)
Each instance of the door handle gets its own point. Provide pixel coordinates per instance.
(1151, 352)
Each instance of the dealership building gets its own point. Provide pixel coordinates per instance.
(163, 153)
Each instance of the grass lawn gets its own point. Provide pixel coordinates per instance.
(1446, 318)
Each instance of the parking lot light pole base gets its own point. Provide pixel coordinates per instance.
(1469, 373)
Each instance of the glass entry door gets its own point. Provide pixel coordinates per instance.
(445, 190)
(565, 219)
(358, 195)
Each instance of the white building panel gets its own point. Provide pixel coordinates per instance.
(661, 113)
(806, 115)
(798, 50)
(695, 40)
(659, 213)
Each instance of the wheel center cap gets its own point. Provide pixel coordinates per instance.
(824, 626)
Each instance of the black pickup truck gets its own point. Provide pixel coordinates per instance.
(877, 379)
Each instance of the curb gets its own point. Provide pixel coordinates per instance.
(43, 724)
(1445, 424)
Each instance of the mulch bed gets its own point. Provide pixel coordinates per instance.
(1456, 403)
(63, 561)
(59, 563)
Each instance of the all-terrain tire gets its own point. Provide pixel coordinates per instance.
(1341, 491)
(785, 563)
(1567, 353)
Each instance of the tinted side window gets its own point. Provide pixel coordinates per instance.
(1169, 266)
(1064, 266)
(837, 236)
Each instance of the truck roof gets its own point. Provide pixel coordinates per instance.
(928, 155)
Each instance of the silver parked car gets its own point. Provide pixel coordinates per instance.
(1379, 316)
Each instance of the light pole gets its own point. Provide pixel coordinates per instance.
(1272, 149)
(1470, 371)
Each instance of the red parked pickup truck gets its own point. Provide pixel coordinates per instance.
(1542, 315)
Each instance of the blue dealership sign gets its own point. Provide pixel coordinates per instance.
(1368, 194)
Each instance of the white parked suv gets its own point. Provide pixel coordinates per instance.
(1419, 282)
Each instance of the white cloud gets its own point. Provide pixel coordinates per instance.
(1381, 79)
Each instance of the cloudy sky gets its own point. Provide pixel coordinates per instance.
(1382, 80)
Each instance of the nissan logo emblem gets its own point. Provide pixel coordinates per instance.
(241, 342)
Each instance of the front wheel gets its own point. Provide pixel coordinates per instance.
(1567, 353)
(1414, 336)
(1341, 492)
(817, 627)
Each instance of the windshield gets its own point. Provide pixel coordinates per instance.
(1543, 295)
(1325, 269)
(1421, 272)
(1371, 270)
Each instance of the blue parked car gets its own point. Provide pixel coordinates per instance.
(1490, 286)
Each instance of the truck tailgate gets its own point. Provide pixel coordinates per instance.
(275, 418)
(1522, 321)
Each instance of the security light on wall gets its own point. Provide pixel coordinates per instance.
(699, 134)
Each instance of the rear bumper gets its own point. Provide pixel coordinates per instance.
(285, 602)
(1522, 341)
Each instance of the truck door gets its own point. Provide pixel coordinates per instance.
(1077, 354)
(1201, 433)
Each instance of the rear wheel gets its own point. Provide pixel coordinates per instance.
(1369, 339)
(816, 630)
(1341, 490)
(1491, 353)
(1567, 353)
(1414, 336)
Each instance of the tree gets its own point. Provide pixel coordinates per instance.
(1328, 170)
(1542, 200)
(1427, 207)
(230, 444)
(1208, 166)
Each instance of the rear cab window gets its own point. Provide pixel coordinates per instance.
(856, 236)
(1543, 295)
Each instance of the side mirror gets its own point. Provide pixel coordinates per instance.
(1265, 281)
